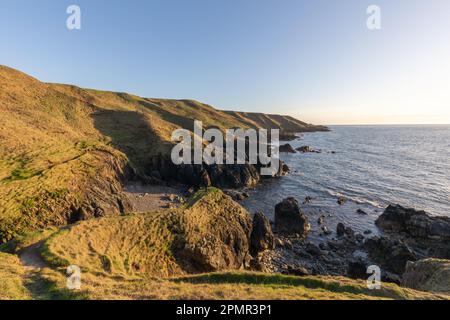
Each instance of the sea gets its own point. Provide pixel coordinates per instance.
(371, 167)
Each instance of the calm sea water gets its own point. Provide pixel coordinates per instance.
(373, 166)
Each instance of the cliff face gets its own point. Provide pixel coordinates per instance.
(286, 124)
(65, 151)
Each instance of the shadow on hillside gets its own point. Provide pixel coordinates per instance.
(183, 122)
(131, 133)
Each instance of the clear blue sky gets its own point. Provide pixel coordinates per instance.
(312, 59)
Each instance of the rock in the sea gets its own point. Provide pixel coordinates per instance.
(313, 250)
(361, 212)
(341, 201)
(304, 149)
(321, 220)
(261, 238)
(287, 148)
(428, 275)
(308, 199)
(415, 223)
(340, 229)
(289, 219)
(391, 255)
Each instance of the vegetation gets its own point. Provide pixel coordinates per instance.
(63, 155)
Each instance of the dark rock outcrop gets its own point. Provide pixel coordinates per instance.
(287, 148)
(357, 269)
(217, 175)
(391, 255)
(289, 219)
(340, 229)
(417, 224)
(304, 149)
(261, 238)
(428, 275)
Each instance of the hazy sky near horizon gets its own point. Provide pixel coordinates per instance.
(315, 60)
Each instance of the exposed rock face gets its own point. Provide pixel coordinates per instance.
(219, 175)
(428, 275)
(289, 219)
(287, 148)
(414, 223)
(216, 232)
(391, 255)
(261, 238)
(357, 269)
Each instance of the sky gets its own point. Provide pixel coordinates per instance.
(315, 60)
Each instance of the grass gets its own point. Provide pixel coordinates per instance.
(61, 137)
(65, 147)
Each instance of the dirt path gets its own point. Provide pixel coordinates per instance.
(30, 257)
(148, 198)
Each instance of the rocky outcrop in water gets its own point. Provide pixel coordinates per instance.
(289, 219)
(417, 224)
(287, 148)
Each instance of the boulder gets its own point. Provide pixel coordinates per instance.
(304, 149)
(287, 148)
(289, 219)
(417, 224)
(340, 229)
(357, 269)
(261, 238)
(391, 255)
(428, 275)
(341, 201)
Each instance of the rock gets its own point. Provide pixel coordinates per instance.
(289, 219)
(287, 148)
(245, 195)
(297, 271)
(341, 201)
(428, 275)
(417, 224)
(357, 269)
(313, 250)
(367, 232)
(361, 212)
(261, 238)
(304, 149)
(349, 232)
(308, 199)
(359, 237)
(285, 168)
(326, 231)
(321, 220)
(340, 229)
(222, 245)
(391, 255)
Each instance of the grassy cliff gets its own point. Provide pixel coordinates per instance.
(65, 151)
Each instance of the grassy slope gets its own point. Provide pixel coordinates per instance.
(59, 141)
(59, 144)
(121, 259)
